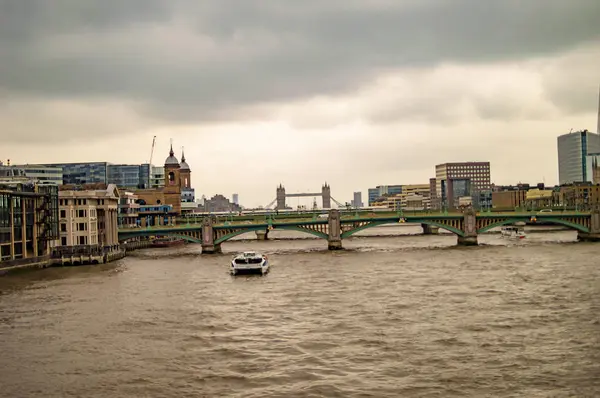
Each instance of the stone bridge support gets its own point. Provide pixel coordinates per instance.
(208, 238)
(335, 230)
(594, 234)
(262, 235)
(469, 230)
(430, 229)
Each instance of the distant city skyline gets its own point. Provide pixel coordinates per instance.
(310, 93)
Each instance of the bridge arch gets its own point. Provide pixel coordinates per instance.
(373, 224)
(557, 221)
(235, 233)
(174, 234)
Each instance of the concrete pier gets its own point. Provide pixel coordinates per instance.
(594, 234)
(334, 241)
(211, 249)
(262, 235)
(430, 229)
(469, 230)
(208, 238)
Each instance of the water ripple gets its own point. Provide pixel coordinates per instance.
(389, 317)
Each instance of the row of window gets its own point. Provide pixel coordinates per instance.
(81, 213)
(79, 202)
(80, 240)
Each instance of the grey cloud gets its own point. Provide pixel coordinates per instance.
(240, 53)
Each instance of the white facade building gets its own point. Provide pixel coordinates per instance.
(89, 217)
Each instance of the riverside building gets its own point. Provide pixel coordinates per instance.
(28, 221)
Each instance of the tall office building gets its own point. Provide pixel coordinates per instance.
(235, 199)
(454, 180)
(573, 150)
(357, 200)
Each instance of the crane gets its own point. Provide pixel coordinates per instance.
(150, 163)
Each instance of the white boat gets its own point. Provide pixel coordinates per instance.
(249, 263)
(516, 231)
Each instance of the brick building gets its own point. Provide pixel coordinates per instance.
(176, 178)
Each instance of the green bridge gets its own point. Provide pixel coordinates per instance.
(335, 226)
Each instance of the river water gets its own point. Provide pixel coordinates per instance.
(390, 316)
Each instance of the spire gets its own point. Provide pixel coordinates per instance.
(182, 155)
(171, 160)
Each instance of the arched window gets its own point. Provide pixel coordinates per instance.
(186, 182)
(171, 178)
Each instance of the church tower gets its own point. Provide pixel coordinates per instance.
(185, 173)
(172, 188)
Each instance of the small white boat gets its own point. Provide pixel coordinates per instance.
(516, 231)
(249, 263)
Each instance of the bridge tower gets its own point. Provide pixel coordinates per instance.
(326, 195)
(280, 197)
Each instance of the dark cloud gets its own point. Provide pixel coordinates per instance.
(193, 61)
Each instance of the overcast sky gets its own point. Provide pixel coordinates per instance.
(353, 92)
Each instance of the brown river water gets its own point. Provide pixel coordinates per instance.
(390, 316)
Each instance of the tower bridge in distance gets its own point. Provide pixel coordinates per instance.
(280, 199)
(211, 232)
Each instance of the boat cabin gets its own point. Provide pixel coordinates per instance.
(248, 258)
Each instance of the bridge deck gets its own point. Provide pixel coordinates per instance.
(408, 217)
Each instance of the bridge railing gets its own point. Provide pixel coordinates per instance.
(348, 216)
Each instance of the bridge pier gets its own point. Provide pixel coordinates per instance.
(262, 235)
(469, 230)
(208, 238)
(594, 234)
(430, 229)
(334, 241)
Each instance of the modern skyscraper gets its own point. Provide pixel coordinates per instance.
(573, 149)
(357, 200)
(235, 199)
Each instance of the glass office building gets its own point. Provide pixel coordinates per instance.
(573, 150)
(128, 175)
(83, 173)
(42, 174)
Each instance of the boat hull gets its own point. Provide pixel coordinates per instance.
(248, 269)
(513, 236)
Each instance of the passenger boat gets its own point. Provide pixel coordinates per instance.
(516, 231)
(249, 263)
(167, 242)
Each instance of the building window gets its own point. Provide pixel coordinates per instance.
(63, 227)
(82, 240)
(63, 214)
(63, 241)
